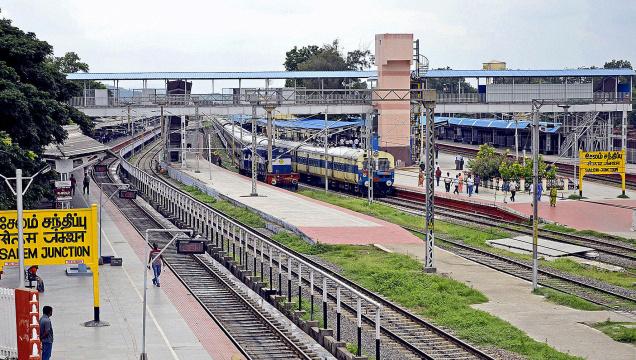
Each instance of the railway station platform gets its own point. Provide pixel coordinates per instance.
(323, 223)
(600, 211)
(511, 300)
(177, 326)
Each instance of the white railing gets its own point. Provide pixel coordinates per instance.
(8, 340)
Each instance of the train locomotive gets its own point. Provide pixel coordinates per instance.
(281, 175)
(347, 168)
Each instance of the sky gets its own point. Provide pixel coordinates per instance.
(139, 35)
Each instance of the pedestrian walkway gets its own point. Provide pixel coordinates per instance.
(320, 221)
(511, 300)
(177, 326)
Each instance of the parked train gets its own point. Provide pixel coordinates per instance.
(347, 168)
(281, 175)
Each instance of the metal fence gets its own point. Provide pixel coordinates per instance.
(8, 340)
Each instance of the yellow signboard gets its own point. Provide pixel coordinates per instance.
(602, 163)
(53, 237)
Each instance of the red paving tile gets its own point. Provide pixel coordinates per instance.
(204, 328)
(585, 215)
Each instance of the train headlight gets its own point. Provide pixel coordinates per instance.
(389, 183)
(366, 183)
(273, 182)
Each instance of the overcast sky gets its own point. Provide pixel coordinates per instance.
(134, 35)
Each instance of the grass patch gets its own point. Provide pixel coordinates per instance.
(241, 214)
(591, 233)
(568, 300)
(618, 278)
(443, 300)
(618, 331)
(559, 228)
(576, 197)
(306, 306)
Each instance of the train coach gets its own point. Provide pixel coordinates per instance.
(347, 168)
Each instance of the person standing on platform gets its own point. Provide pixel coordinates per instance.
(420, 179)
(46, 332)
(73, 184)
(553, 196)
(539, 190)
(447, 182)
(438, 174)
(460, 179)
(437, 153)
(156, 264)
(87, 182)
(477, 181)
(461, 163)
(456, 183)
(513, 190)
(457, 162)
(469, 184)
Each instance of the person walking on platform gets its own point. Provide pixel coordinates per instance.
(46, 332)
(456, 183)
(86, 183)
(438, 174)
(73, 184)
(156, 264)
(513, 190)
(539, 190)
(460, 178)
(447, 182)
(420, 179)
(469, 184)
(477, 181)
(553, 196)
(505, 188)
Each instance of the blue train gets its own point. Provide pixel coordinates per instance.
(281, 175)
(347, 168)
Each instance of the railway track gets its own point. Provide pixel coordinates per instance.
(625, 252)
(606, 295)
(413, 337)
(253, 331)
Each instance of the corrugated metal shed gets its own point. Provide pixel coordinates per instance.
(313, 124)
(76, 144)
(251, 75)
(496, 123)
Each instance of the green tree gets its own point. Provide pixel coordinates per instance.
(486, 163)
(450, 85)
(618, 64)
(32, 107)
(329, 57)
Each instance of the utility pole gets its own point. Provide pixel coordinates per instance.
(210, 153)
(516, 139)
(369, 158)
(129, 130)
(326, 154)
(269, 109)
(164, 136)
(535, 186)
(429, 224)
(254, 155)
(183, 142)
(421, 107)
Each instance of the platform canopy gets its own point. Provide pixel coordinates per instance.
(75, 145)
(497, 124)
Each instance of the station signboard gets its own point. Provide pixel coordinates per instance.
(602, 163)
(99, 168)
(190, 247)
(128, 194)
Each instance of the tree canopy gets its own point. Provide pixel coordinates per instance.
(328, 57)
(33, 92)
(490, 164)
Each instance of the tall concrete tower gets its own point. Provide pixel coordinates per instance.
(393, 57)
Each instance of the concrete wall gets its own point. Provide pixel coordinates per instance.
(394, 56)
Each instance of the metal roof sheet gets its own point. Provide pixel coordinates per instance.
(235, 75)
(231, 75)
(312, 124)
(76, 144)
(496, 123)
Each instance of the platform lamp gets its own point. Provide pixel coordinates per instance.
(19, 193)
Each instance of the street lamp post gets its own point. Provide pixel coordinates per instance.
(178, 232)
(19, 193)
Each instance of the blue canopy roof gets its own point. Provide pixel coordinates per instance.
(494, 123)
(309, 124)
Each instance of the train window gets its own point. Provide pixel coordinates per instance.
(383, 164)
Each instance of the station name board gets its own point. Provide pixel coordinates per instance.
(51, 237)
(602, 162)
